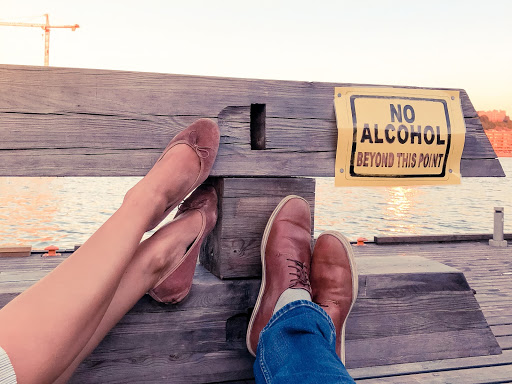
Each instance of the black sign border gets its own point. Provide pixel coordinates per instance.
(354, 137)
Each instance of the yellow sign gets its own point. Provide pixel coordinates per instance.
(398, 136)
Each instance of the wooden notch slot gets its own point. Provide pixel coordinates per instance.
(258, 116)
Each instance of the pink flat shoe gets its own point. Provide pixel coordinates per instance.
(176, 283)
(203, 137)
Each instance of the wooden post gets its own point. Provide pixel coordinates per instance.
(498, 237)
(245, 205)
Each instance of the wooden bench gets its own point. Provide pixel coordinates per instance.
(275, 136)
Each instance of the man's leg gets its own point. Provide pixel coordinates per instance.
(298, 340)
(298, 346)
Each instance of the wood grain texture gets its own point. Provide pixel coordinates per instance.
(417, 314)
(484, 267)
(200, 340)
(476, 144)
(15, 251)
(233, 248)
(505, 342)
(481, 168)
(422, 303)
(436, 238)
(56, 90)
(483, 375)
(431, 366)
(405, 348)
(409, 309)
(83, 122)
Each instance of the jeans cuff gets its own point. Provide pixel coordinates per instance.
(289, 309)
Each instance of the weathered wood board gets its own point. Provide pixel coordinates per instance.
(409, 309)
(201, 340)
(436, 366)
(436, 238)
(85, 122)
(15, 251)
(233, 248)
(480, 375)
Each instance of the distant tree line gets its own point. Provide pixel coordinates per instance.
(487, 124)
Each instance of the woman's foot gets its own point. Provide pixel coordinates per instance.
(165, 248)
(184, 164)
(175, 283)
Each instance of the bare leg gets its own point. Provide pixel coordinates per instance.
(154, 256)
(46, 327)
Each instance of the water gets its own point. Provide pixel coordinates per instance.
(425, 210)
(66, 211)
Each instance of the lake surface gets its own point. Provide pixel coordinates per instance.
(66, 211)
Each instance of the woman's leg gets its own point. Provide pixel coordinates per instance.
(154, 256)
(45, 328)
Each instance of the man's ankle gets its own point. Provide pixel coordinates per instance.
(289, 295)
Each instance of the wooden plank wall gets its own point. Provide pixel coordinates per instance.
(86, 122)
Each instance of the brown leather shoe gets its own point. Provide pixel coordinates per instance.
(203, 137)
(176, 283)
(285, 260)
(334, 281)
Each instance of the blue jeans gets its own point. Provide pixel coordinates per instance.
(298, 346)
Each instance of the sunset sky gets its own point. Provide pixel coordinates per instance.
(459, 44)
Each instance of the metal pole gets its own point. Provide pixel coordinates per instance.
(47, 42)
(499, 220)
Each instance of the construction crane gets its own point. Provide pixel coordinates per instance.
(46, 27)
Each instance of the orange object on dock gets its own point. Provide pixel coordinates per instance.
(361, 240)
(51, 251)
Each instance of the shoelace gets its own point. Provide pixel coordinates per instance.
(301, 273)
(335, 302)
(202, 152)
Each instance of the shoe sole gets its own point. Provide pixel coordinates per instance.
(266, 234)
(355, 281)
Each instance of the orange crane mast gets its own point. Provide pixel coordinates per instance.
(46, 27)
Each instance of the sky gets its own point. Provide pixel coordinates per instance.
(453, 44)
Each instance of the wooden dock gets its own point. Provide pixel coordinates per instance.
(489, 272)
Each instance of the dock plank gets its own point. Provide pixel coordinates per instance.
(487, 270)
(431, 366)
(505, 342)
(502, 329)
(492, 374)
